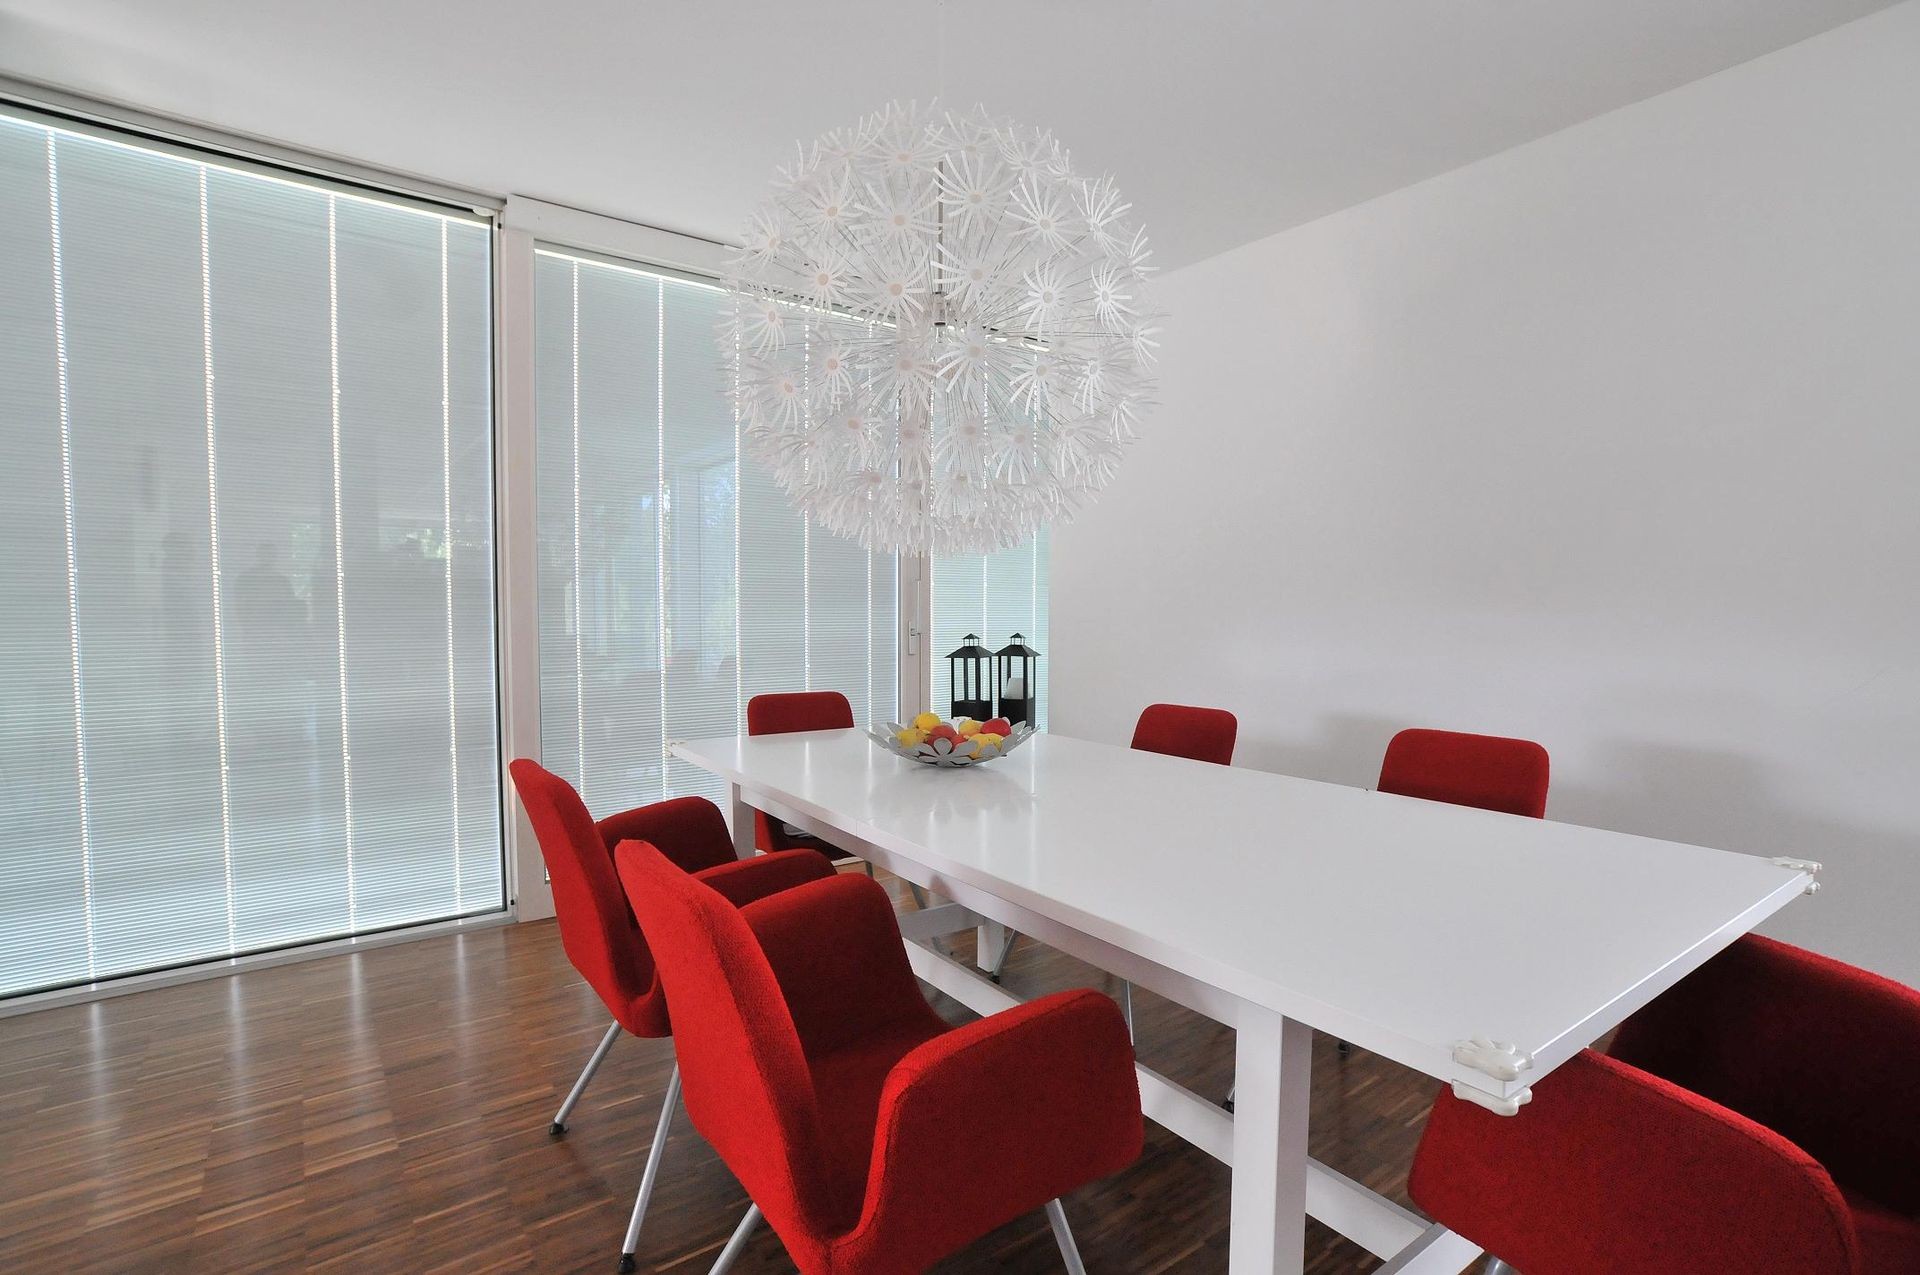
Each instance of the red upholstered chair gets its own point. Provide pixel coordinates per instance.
(874, 1138)
(1177, 730)
(1487, 771)
(1762, 1117)
(597, 928)
(781, 714)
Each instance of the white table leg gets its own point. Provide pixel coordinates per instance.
(987, 939)
(742, 823)
(1273, 1060)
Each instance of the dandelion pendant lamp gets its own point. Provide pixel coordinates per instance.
(936, 339)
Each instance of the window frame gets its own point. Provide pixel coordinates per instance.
(252, 157)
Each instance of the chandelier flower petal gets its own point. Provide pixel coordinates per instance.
(1039, 211)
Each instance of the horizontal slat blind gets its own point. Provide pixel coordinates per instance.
(247, 564)
(676, 581)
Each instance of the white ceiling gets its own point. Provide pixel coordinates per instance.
(1223, 121)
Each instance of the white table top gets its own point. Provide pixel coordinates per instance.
(1401, 925)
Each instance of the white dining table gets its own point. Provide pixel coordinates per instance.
(1482, 949)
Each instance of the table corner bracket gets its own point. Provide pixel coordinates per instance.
(1496, 1058)
(1809, 866)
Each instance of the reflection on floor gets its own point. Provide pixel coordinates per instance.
(388, 1111)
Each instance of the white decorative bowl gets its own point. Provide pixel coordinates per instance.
(940, 753)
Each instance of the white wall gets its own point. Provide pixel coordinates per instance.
(1611, 441)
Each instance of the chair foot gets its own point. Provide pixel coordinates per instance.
(1063, 1236)
(1345, 1047)
(1227, 1101)
(626, 1264)
(559, 1125)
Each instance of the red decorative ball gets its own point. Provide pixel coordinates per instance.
(998, 726)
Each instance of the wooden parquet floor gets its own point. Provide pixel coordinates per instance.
(388, 1111)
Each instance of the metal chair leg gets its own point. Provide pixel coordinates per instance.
(1000, 958)
(738, 1243)
(1063, 1236)
(559, 1125)
(919, 896)
(1497, 1267)
(652, 1171)
(1126, 1005)
(1231, 1091)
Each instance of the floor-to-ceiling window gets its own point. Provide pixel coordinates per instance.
(994, 595)
(675, 580)
(247, 559)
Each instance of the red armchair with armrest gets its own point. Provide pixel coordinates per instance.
(1763, 1117)
(872, 1136)
(597, 927)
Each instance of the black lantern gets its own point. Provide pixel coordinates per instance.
(1018, 681)
(969, 680)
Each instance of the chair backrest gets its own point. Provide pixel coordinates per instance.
(745, 1079)
(1487, 771)
(1180, 730)
(787, 711)
(782, 713)
(1758, 1029)
(597, 928)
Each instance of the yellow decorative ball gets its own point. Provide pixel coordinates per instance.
(967, 726)
(911, 737)
(926, 722)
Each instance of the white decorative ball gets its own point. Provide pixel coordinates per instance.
(937, 338)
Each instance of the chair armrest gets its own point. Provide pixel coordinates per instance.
(745, 881)
(1610, 1169)
(1818, 1051)
(835, 948)
(993, 1119)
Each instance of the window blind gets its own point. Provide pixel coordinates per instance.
(994, 595)
(247, 564)
(676, 581)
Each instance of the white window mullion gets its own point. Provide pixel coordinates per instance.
(660, 509)
(73, 573)
(213, 557)
(340, 549)
(579, 597)
(446, 538)
(806, 525)
(739, 647)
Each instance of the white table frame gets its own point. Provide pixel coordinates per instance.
(1276, 1184)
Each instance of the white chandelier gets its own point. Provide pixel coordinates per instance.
(937, 339)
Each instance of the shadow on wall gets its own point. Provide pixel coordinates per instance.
(1346, 748)
(1693, 795)
(1725, 800)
